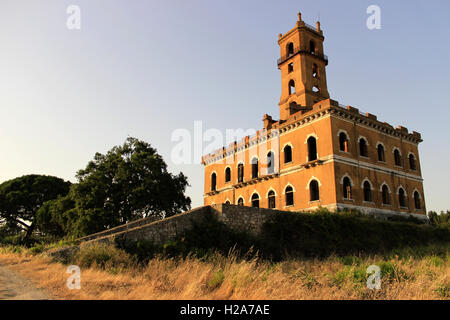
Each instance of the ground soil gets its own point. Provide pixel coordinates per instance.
(15, 287)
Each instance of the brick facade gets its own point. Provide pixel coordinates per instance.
(338, 158)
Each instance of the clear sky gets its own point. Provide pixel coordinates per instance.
(146, 68)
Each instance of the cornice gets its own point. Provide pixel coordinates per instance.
(300, 120)
(374, 124)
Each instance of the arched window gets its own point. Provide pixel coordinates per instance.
(343, 142)
(290, 49)
(213, 181)
(363, 148)
(255, 200)
(227, 202)
(240, 172)
(227, 174)
(287, 154)
(401, 197)
(289, 196)
(290, 67)
(367, 191)
(385, 194)
(314, 190)
(312, 47)
(397, 158)
(240, 202)
(315, 71)
(270, 163)
(412, 162)
(291, 87)
(417, 200)
(380, 150)
(347, 185)
(254, 168)
(271, 197)
(312, 149)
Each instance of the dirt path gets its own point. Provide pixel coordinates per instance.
(16, 287)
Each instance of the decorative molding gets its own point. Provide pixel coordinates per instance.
(385, 184)
(396, 148)
(382, 144)
(344, 132)
(270, 189)
(288, 185)
(346, 175)
(314, 135)
(370, 183)
(311, 179)
(414, 191)
(364, 138)
(253, 193)
(374, 167)
(404, 192)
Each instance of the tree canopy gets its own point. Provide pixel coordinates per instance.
(22, 197)
(442, 219)
(130, 181)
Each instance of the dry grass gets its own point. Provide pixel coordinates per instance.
(230, 278)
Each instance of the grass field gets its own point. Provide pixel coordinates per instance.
(318, 255)
(110, 273)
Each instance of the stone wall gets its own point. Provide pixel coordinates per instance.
(158, 231)
(239, 218)
(236, 217)
(124, 227)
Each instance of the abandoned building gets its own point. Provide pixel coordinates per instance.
(319, 153)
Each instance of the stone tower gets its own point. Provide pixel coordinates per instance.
(302, 65)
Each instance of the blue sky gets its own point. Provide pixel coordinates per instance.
(147, 68)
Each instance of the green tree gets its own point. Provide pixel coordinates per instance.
(54, 217)
(129, 182)
(442, 219)
(22, 197)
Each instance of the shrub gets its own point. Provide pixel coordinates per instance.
(350, 260)
(36, 249)
(359, 274)
(102, 256)
(206, 238)
(11, 249)
(443, 290)
(316, 234)
(390, 271)
(435, 261)
(410, 219)
(442, 219)
(216, 280)
(322, 233)
(12, 239)
(340, 276)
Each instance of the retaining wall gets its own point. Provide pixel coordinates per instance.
(236, 217)
(124, 227)
(239, 218)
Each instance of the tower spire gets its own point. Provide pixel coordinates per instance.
(302, 65)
